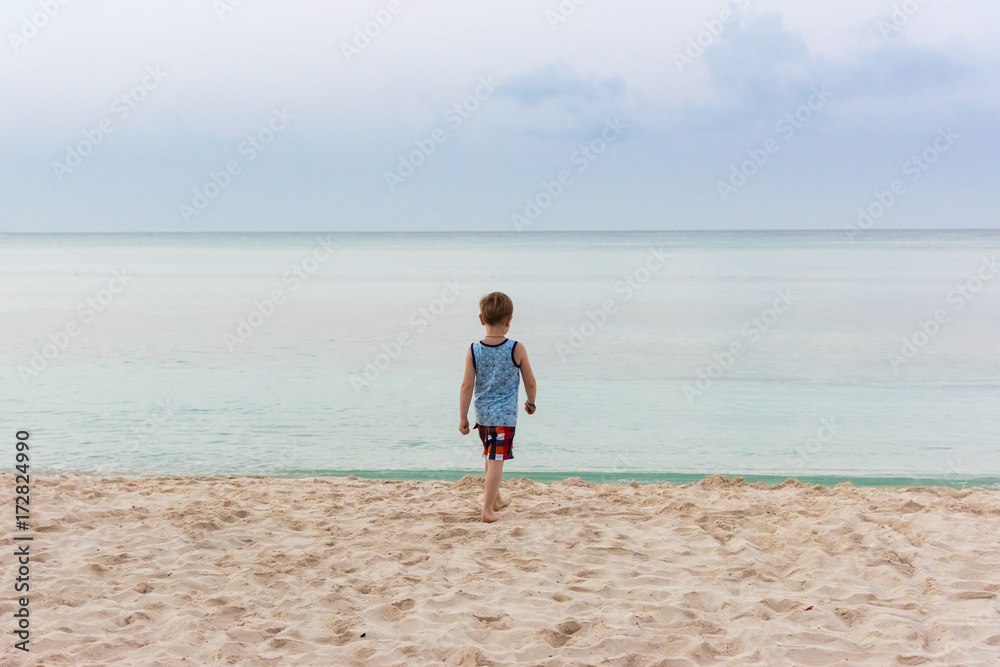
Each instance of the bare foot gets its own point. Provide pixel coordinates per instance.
(500, 503)
(490, 518)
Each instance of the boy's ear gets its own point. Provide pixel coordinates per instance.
(481, 320)
(508, 321)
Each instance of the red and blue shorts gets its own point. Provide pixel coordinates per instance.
(498, 442)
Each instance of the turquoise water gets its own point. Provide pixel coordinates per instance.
(660, 356)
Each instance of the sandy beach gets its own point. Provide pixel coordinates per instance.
(345, 571)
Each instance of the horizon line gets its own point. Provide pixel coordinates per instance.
(513, 232)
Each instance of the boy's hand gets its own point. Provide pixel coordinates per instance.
(529, 408)
(463, 427)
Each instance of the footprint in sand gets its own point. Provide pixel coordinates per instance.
(973, 595)
(394, 612)
(561, 634)
(500, 622)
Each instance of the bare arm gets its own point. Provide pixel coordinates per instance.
(465, 395)
(530, 386)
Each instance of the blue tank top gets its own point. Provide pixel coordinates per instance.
(498, 379)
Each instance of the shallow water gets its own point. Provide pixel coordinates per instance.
(658, 355)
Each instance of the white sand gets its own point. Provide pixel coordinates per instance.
(258, 571)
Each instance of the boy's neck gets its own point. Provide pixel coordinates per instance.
(494, 334)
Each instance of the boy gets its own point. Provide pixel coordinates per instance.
(493, 368)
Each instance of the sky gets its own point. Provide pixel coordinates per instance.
(498, 115)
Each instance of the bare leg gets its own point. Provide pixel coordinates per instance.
(494, 472)
(498, 502)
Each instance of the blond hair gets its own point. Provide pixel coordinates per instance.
(495, 308)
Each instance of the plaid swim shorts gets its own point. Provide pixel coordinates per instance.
(498, 442)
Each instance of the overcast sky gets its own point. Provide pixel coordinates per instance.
(229, 115)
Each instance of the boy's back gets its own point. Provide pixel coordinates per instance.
(498, 379)
(493, 370)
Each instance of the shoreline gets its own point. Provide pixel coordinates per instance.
(270, 571)
(987, 483)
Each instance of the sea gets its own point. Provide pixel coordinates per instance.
(867, 356)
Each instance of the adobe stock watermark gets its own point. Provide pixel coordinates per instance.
(627, 287)
(122, 108)
(365, 34)
(296, 275)
(957, 298)
(957, 469)
(455, 116)
(141, 434)
(530, 545)
(787, 126)
(462, 454)
(223, 8)
(714, 28)
(827, 431)
(621, 465)
(419, 321)
(562, 13)
(295, 455)
(248, 150)
(32, 25)
(752, 330)
(900, 16)
(582, 158)
(914, 168)
(88, 309)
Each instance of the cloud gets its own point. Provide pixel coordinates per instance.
(685, 129)
(549, 83)
(897, 71)
(759, 71)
